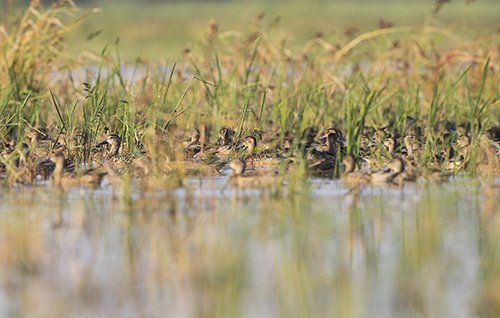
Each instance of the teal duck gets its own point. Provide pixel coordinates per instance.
(387, 175)
(350, 177)
(240, 180)
(62, 178)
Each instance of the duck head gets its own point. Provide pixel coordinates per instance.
(57, 157)
(194, 136)
(409, 140)
(379, 136)
(114, 141)
(390, 144)
(225, 136)
(34, 135)
(249, 143)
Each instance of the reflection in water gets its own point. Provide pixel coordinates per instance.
(211, 250)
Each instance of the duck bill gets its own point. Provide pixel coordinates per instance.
(240, 147)
(102, 143)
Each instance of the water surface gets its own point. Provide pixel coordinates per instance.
(211, 250)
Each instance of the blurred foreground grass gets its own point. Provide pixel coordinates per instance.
(426, 251)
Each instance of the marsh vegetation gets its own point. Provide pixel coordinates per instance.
(351, 172)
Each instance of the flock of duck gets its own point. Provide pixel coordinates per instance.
(258, 160)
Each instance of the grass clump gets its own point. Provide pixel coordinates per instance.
(249, 82)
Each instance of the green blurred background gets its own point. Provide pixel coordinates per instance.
(161, 30)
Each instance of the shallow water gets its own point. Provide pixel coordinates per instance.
(211, 250)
